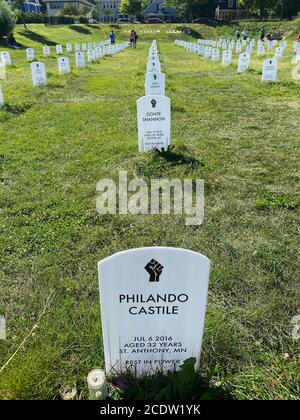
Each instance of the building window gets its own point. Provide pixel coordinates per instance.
(56, 5)
(230, 4)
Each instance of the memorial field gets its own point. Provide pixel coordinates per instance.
(239, 135)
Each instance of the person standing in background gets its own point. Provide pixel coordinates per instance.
(112, 37)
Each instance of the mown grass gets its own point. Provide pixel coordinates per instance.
(239, 135)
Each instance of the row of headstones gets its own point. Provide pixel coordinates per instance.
(38, 69)
(107, 49)
(262, 47)
(5, 58)
(269, 73)
(158, 31)
(154, 109)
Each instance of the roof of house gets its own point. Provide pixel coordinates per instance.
(87, 2)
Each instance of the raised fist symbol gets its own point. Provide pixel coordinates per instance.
(154, 269)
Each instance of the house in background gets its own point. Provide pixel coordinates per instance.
(54, 7)
(29, 6)
(32, 6)
(108, 10)
(156, 10)
(230, 10)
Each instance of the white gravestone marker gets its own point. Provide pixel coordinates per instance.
(153, 66)
(59, 49)
(69, 48)
(155, 84)
(77, 47)
(2, 71)
(83, 47)
(244, 62)
(30, 54)
(215, 54)
(260, 50)
(153, 304)
(1, 97)
(154, 122)
(269, 73)
(38, 72)
(91, 56)
(63, 65)
(207, 52)
(79, 59)
(201, 49)
(226, 58)
(279, 53)
(5, 57)
(46, 51)
(98, 52)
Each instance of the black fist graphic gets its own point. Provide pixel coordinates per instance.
(154, 269)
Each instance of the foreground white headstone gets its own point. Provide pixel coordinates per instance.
(63, 65)
(244, 62)
(69, 47)
(154, 122)
(215, 54)
(38, 72)
(79, 59)
(59, 49)
(153, 66)
(207, 52)
(46, 51)
(5, 57)
(153, 303)
(30, 54)
(155, 83)
(1, 97)
(226, 58)
(98, 52)
(2, 71)
(269, 73)
(91, 56)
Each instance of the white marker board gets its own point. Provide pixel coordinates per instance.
(154, 122)
(153, 304)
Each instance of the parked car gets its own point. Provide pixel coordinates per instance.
(205, 20)
(155, 20)
(123, 21)
(93, 21)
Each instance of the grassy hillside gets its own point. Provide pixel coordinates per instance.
(57, 141)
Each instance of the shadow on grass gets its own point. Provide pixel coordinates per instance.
(80, 29)
(190, 31)
(186, 384)
(38, 38)
(177, 158)
(4, 45)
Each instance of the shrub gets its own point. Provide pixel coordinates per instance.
(32, 17)
(7, 21)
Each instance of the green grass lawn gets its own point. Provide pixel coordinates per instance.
(57, 141)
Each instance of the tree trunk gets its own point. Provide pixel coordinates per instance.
(24, 22)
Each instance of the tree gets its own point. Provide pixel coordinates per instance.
(260, 7)
(95, 13)
(70, 10)
(18, 4)
(107, 12)
(85, 11)
(7, 21)
(286, 8)
(189, 10)
(131, 7)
